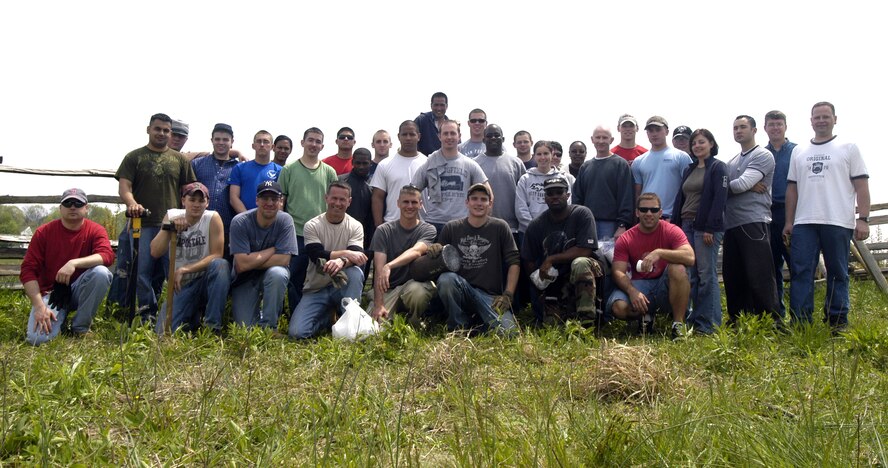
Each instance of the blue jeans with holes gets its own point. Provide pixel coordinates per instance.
(808, 240)
(211, 290)
(267, 288)
(87, 292)
(705, 293)
(469, 307)
(311, 317)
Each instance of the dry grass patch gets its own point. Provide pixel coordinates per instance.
(634, 374)
(444, 359)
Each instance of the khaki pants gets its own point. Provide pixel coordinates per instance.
(410, 298)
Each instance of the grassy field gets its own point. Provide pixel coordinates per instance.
(552, 397)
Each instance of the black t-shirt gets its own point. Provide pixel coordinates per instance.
(484, 250)
(546, 237)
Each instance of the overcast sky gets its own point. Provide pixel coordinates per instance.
(80, 79)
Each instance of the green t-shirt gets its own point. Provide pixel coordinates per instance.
(156, 179)
(305, 189)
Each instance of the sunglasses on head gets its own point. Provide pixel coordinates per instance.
(75, 203)
(645, 209)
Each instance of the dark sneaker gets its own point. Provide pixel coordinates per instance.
(678, 331)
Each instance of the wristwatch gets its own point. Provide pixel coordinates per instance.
(865, 219)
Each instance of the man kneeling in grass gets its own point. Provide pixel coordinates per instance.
(395, 245)
(656, 252)
(69, 256)
(201, 276)
(476, 297)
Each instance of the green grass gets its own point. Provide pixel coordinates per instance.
(553, 397)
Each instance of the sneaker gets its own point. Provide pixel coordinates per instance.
(678, 331)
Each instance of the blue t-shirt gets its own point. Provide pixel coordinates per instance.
(248, 175)
(660, 172)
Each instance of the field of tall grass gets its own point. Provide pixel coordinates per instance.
(554, 397)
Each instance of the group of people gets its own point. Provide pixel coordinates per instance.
(621, 233)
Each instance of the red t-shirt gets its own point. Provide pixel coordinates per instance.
(53, 245)
(629, 154)
(341, 166)
(634, 245)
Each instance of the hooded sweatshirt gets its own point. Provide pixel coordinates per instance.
(530, 199)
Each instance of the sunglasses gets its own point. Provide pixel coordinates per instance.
(75, 203)
(477, 120)
(645, 209)
(346, 137)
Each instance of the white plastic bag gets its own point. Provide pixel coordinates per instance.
(606, 246)
(355, 324)
(541, 283)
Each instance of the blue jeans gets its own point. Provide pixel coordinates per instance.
(87, 293)
(656, 290)
(211, 290)
(298, 267)
(468, 307)
(780, 252)
(808, 240)
(268, 287)
(119, 283)
(705, 293)
(312, 316)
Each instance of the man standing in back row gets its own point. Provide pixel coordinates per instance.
(660, 170)
(429, 124)
(826, 176)
(149, 178)
(781, 148)
(748, 270)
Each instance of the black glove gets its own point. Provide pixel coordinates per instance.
(60, 297)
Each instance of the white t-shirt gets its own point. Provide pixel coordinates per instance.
(823, 174)
(393, 173)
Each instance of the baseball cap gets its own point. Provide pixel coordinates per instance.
(180, 128)
(682, 130)
(269, 186)
(195, 187)
(556, 182)
(74, 193)
(478, 188)
(656, 120)
(626, 118)
(223, 127)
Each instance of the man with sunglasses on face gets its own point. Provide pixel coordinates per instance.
(70, 254)
(474, 147)
(342, 160)
(655, 253)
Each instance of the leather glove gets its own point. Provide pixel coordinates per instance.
(503, 304)
(340, 279)
(60, 297)
(435, 250)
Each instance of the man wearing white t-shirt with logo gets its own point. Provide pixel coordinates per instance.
(826, 177)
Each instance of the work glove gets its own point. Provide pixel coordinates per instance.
(503, 304)
(435, 250)
(60, 297)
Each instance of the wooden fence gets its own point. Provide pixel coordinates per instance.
(868, 255)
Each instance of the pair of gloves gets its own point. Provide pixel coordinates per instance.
(340, 279)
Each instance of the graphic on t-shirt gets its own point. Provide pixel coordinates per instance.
(271, 174)
(451, 183)
(472, 248)
(191, 244)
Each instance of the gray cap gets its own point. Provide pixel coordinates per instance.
(180, 128)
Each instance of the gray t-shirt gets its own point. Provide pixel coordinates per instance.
(484, 251)
(447, 183)
(503, 173)
(745, 206)
(248, 237)
(392, 239)
(472, 149)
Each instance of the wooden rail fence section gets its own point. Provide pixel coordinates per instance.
(14, 247)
